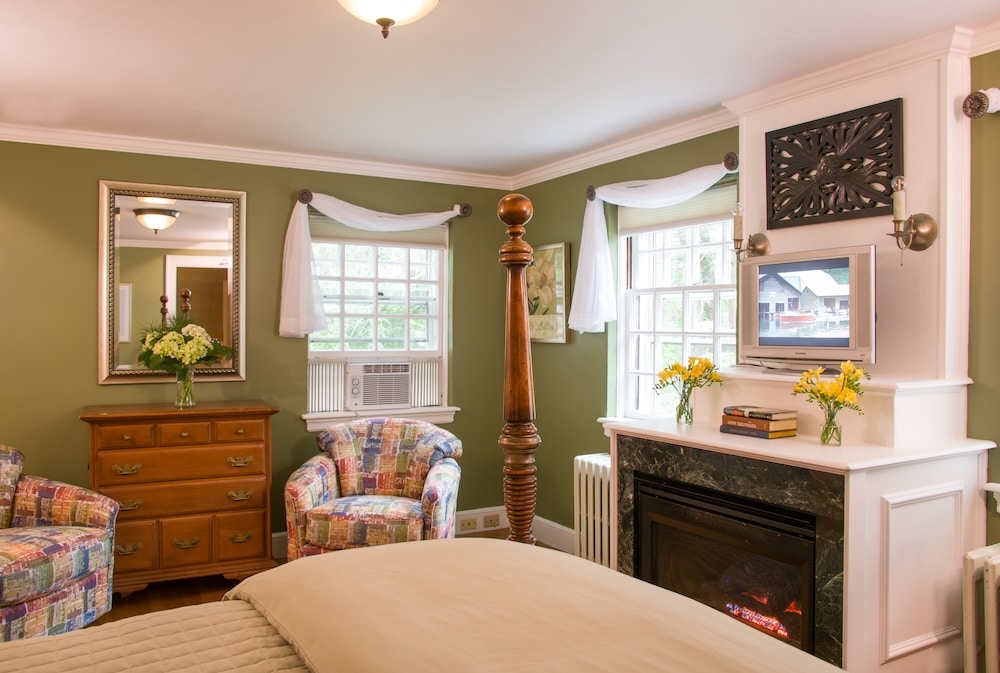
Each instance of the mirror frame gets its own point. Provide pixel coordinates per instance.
(108, 371)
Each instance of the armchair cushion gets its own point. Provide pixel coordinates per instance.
(37, 561)
(11, 464)
(364, 520)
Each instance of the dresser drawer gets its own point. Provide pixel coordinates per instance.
(188, 497)
(188, 432)
(125, 436)
(240, 535)
(239, 430)
(135, 546)
(136, 466)
(186, 540)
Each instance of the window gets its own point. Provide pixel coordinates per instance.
(678, 272)
(385, 301)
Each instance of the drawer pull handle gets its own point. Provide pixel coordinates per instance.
(126, 505)
(239, 461)
(239, 538)
(126, 469)
(186, 543)
(239, 431)
(126, 438)
(185, 434)
(128, 549)
(236, 496)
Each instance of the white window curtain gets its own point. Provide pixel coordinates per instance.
(594, 301)
(301, 302)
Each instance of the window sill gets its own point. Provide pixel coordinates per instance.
(318, 422)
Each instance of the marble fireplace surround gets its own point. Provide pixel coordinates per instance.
(799, 488)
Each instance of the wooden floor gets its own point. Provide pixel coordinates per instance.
(177, 593)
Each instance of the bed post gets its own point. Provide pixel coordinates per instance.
(519, 437)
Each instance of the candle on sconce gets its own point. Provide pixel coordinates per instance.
(898, 199)
(738, 222)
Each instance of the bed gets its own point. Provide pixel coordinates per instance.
(465, 604)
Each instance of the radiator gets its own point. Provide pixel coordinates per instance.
(592, 507)
(980, 610)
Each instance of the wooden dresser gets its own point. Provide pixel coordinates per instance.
(193, 484)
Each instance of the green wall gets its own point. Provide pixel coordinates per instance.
(984, 318)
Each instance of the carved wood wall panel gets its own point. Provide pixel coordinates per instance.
(835, 168)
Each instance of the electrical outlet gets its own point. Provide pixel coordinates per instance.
(491, 521)
(467, 524)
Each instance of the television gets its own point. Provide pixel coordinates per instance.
(799, 310)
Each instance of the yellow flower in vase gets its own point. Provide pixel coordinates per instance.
(832, 395)
(698, 373)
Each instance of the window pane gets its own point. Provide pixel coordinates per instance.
(701, 312)
(670, 312)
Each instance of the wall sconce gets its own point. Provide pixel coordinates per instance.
(916, 232)
(756, 244)
(388, 13)
(978, 103)
(155, 218)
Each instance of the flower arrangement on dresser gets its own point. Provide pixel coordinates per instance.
(697, 373)
(178, 346)
(832, 395)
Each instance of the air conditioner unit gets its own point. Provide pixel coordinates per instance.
(378, 385)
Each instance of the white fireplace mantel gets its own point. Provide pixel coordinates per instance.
(910, 514)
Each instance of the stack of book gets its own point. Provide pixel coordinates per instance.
(763, 422)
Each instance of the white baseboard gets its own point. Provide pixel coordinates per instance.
(545, 531)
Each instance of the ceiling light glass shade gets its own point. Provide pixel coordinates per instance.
(155, 218)
(401, 12)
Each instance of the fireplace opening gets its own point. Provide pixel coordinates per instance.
(754, 561)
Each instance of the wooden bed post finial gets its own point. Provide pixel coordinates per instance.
(519, 437)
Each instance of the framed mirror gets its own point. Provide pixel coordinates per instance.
(185, 256)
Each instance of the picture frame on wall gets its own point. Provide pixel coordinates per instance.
(546, 286)
(836, 168)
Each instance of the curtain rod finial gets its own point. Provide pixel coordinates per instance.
(591, 192)
(305, 196)
(731, 161)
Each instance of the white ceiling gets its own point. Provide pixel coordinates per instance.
(486, 90)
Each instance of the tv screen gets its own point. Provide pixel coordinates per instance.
(805, 303)
(808, 307)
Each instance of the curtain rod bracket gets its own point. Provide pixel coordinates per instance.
(305, 196)
(465, 210)
(591, 192)
(731, 161)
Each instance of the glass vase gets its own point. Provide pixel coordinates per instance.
(830, 434)
(685, 410)
(185, 388)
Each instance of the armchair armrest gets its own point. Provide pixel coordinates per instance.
(311, 485)
(440, 499)
(44, 502)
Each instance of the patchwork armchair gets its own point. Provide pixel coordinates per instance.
(375, 481)
(56, 555)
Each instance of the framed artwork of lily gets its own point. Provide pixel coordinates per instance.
(546, 285)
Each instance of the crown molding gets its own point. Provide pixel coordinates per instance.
(240, 155)
(986, 40)
(668, 135)
(934, 46)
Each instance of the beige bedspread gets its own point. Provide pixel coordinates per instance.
(216, 637)
(482, 605)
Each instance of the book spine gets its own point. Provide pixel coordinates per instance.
(758, 423)
(758, 413)
(753, 432)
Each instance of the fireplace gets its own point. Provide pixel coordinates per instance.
(752, 560)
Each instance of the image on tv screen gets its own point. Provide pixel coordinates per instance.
(805, 303)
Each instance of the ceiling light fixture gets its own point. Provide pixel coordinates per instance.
(387, 13)
(155, 218)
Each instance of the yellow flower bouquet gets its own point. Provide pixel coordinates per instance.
(832, 395)
(698, 373)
